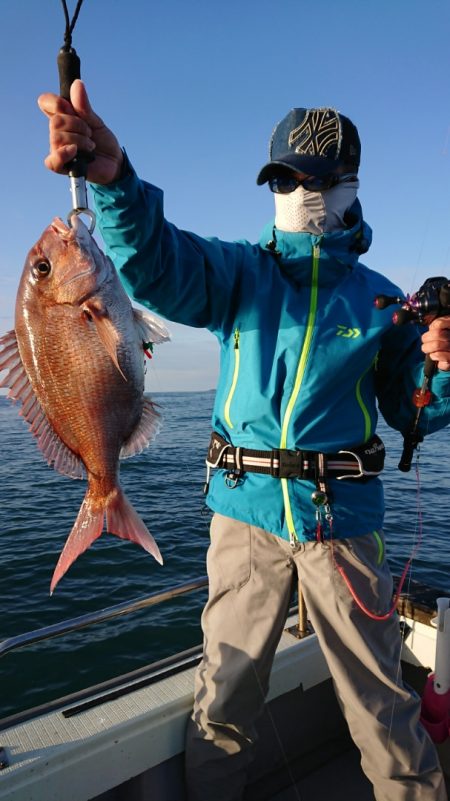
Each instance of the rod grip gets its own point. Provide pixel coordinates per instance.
(69, 70)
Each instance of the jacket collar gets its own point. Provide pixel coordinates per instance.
(339, 250)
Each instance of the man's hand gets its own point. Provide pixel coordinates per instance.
(75, 126)
(436, 342)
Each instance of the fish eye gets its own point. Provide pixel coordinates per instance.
(41, 269)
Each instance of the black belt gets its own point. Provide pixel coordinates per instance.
(362, 462)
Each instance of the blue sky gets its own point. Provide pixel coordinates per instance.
(193, 90)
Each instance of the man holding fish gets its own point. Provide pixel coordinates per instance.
(306, 359)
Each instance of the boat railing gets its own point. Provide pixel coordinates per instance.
(101, 616)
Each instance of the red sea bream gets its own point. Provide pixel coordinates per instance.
(75, 362)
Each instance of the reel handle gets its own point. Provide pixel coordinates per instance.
(383, 301)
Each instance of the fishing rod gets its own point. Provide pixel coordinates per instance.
(432, 300)
(69, 68)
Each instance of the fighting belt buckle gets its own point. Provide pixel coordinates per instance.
(286, 463)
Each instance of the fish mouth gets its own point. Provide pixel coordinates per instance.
(78, 234)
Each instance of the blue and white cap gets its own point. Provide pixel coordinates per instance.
(318, 141)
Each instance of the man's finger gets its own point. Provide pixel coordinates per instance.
(80, 102)
(58, 159)
(439, 323)
(51, 104)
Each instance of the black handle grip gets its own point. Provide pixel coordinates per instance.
(406, 458)
(429, 368)
(383, 301)
(69, 70)
(403, 316)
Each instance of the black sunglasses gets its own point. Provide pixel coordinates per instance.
(284, 183)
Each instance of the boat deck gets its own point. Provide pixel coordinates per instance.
(337, 776)
(337, 780)
(341, 779)
(123, 731)
(123, 740)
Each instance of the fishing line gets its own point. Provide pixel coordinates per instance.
(426, 226)
(386, 616)
(417, 528)
(416, 547)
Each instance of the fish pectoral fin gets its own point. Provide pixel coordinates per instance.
(56, 453)
(146, 430)
(149, 328)
(106, 331)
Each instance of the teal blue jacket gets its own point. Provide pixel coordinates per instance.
(306, 358)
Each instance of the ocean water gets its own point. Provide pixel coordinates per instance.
(37, 510)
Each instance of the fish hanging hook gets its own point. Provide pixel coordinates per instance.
(69, 70)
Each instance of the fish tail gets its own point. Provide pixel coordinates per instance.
(87, 527)
(123, 521)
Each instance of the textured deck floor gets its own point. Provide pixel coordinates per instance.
(338, 780)
(342, 779)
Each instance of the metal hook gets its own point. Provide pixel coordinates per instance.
(78, 212)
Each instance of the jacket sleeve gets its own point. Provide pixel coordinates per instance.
(182, 276)
(399, 372)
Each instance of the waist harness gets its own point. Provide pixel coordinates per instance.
(362, 462)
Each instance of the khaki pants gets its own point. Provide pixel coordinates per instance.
(251, 577)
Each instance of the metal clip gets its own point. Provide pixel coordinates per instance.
(323, 509)
(233, 479)
(79, 201)
(77, 213)
(328, 514)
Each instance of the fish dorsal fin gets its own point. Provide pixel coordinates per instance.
(105, 329)
(145, 431)
(53, 448)
(150, 329)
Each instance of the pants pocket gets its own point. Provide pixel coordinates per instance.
(367, 569)
(368, 550)
(229, 554)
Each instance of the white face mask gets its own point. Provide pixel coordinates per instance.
(314, 212)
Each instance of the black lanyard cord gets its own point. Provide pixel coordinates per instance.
(68, 61)
(70, 25)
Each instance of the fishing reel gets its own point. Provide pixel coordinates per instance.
(430, 301)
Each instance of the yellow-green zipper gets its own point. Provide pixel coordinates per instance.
(362, 405)
(380, 547)
(235, 378)
(297, 385)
